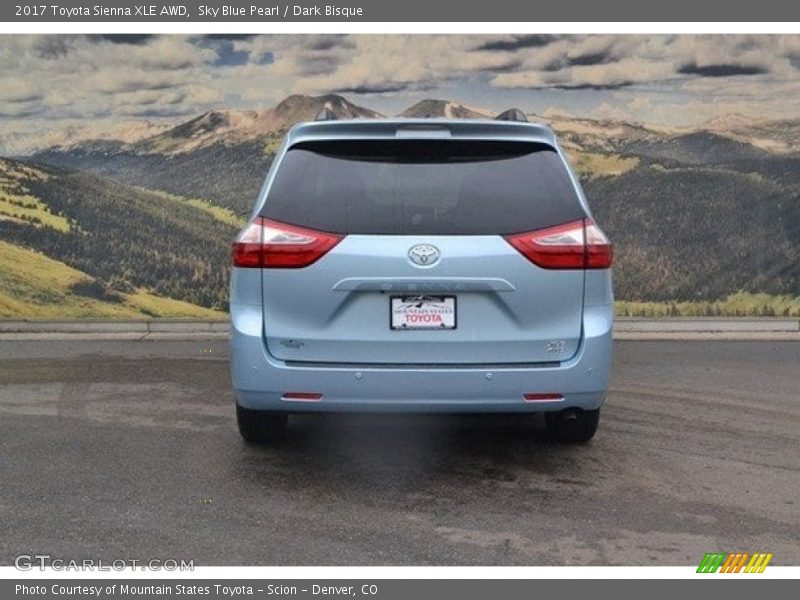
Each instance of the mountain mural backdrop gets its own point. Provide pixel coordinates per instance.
(138, 223)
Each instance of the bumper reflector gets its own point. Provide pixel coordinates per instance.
(302, 396)
(543, 397)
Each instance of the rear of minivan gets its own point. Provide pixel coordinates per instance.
(445, 266)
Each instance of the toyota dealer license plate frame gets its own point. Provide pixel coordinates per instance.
(422, 313)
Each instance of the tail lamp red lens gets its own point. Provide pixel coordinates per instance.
(269, 244)
(579, 244)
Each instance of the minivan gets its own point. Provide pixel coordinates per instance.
(430, 265)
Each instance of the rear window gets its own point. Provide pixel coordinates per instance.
(434, 187)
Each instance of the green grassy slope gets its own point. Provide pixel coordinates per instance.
(740, 304)
(35, 286)
(128, 240)
(16, 202)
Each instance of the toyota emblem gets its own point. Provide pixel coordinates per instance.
(423, 255)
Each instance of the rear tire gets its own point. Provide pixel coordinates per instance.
(572, 425)
(260, 426)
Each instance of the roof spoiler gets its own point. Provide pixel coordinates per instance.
(512, 114)
(325, 114)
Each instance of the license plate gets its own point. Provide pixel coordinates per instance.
(423, 312)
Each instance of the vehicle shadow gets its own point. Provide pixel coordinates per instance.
(347, 454)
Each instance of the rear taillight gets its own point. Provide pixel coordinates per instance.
(272, 245)
(577, 245)
(246, 249)
(599, 250)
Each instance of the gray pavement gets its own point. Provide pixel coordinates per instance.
(124, 449)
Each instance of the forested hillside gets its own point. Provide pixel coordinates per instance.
(229, 175)
(126, 238)
(689, 233)
(694, 215)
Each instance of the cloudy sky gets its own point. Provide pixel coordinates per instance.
(50, 82)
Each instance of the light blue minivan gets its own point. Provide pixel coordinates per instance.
(421, 266)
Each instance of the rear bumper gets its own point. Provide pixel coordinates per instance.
(260, 380)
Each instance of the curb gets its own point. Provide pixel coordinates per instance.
(115, 327)
(706, 325)
(625, 328)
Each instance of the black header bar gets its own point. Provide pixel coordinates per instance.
(441, 11)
